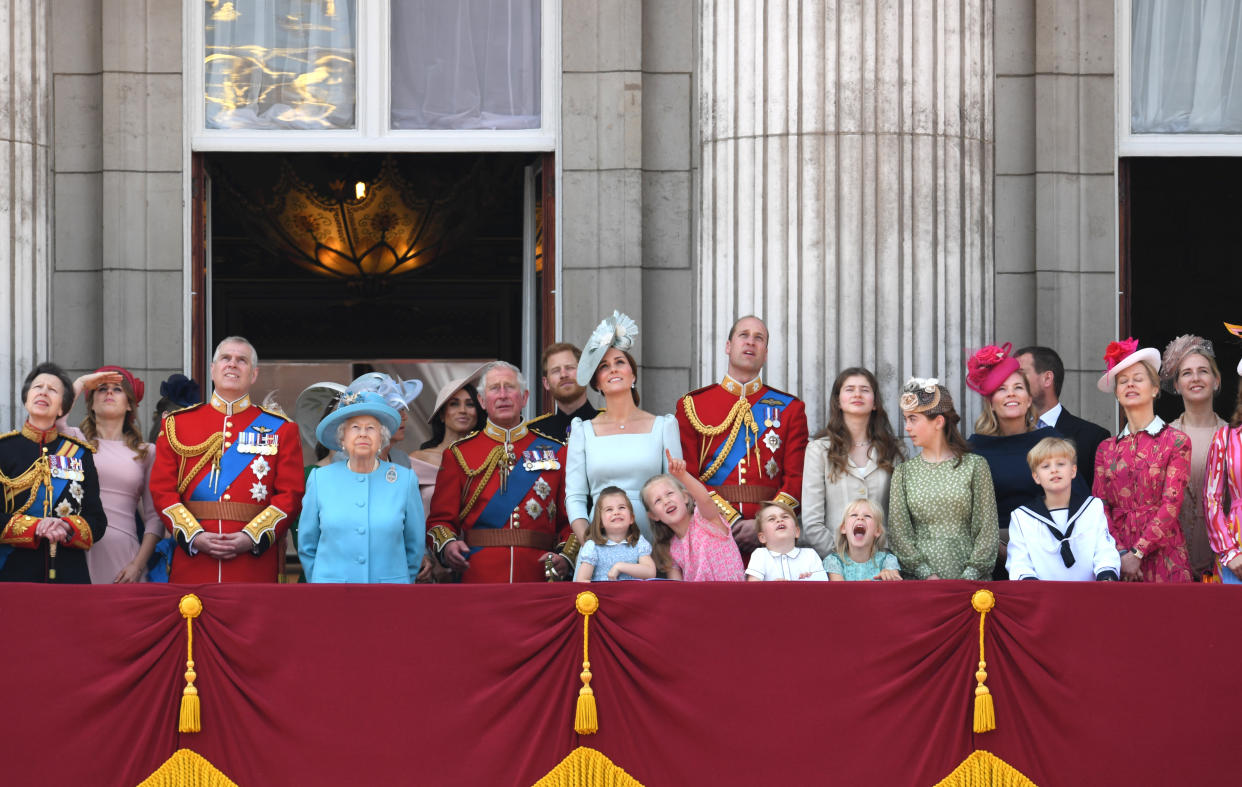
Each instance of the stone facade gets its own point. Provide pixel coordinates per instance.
(836, 177)
(1056, 198)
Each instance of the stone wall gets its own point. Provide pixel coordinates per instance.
(117, 181)
(1056, 199)
(626, 183)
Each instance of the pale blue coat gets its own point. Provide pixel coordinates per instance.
(361, 528)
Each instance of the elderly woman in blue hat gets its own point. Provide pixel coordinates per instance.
(362, 519)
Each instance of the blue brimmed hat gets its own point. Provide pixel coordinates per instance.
(398, 393)
(615, 331)
(353, 404)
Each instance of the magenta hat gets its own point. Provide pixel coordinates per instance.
(988, 368)
(1122, 355)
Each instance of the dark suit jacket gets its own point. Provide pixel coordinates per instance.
(1087, 437)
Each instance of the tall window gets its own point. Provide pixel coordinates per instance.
(378, 74)
(1186, 67)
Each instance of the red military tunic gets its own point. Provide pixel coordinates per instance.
(227, 468)
(746, 442)
(507, 529)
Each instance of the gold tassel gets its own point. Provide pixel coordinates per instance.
(586, 719)
(191, 607)
(985, 712)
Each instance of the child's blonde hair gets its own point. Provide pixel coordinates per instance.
(661, 533)
(1050, 448)
(877, 514)
(595, 531)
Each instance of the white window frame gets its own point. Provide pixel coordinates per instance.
(1130, 144)
(372, 111)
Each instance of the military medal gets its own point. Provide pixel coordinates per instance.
(258, 491)
(533, 509)
(542, 488)
(772, 440)
(771, 468)
(76, 490)
(64, 509)
(767, 421)
(260, 468)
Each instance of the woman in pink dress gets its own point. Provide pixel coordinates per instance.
(1222, 494)
(123, 462)
(1141, 474)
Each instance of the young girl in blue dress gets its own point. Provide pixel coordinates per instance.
(614, 547)
(859, 555)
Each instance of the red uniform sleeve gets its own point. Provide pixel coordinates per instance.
(445, 502)
(689, 439)
(164, 478)
(796, 437)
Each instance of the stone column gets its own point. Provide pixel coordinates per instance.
(24, 298)
(845, 188)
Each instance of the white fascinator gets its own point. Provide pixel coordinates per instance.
(615, 331)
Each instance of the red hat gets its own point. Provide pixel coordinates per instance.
(134, 383)
(1123, 354)
(988, 368)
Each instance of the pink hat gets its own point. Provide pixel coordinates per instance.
(1122, 355)
(135, 383)
(1236, 330)
(988, 368)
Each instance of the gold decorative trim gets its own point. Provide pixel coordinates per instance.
(569, 548)
(83, 538)
(265, 522)
(19, 531)
(985, 768)
(210, 450)
(739, 416)
(742, 389)
(187, 767)
(787, 499)
(730, 513)
(585, 767)
(441, 535)
(183, 522)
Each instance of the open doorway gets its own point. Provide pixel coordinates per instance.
(1180, 259)
(375, 259)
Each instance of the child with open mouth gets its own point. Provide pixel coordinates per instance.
(860, 554)
(779, 558)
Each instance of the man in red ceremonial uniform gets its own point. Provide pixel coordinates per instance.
(743, 439)
(497, 514)
(228, 477)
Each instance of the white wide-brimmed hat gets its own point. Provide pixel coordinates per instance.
(450, 388)
(1122, 355)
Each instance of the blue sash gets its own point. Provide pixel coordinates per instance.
(739, 445)
(233, 462)
(498, 510)
(39, 505)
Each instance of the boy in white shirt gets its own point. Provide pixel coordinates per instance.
(1063, 535)
(778, 558)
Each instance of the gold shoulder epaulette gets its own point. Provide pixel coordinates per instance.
(456, 443)
(545, 435)
(186, 409)
(78, 442)
(10, 434)
(538, 418)
(277, 413)
(697, 391)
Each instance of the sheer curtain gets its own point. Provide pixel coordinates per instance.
(1186, 67)
(280, 64)
(465, 64)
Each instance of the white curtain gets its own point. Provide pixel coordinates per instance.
(1186, 67)
(280, 64)
(465, 64)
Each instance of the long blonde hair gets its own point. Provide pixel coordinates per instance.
(661, 533)
(877, 513)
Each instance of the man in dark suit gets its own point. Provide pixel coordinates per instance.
(1043, 367)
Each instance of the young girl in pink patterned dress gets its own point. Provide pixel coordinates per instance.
(692, 540)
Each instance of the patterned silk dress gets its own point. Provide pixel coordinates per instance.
(1141, 479)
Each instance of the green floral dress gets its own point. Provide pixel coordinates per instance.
(942, 518)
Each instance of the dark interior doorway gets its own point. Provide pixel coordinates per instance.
(1181, 239)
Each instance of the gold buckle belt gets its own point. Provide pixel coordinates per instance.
(223, 509)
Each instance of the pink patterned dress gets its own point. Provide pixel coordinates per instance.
(707, 554)
(1222, 495)
(1141, 478)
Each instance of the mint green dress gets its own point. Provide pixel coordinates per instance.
(854, 572)
(942, 518)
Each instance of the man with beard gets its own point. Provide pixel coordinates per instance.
(560, 373)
